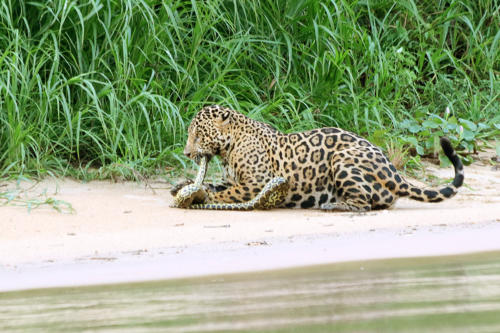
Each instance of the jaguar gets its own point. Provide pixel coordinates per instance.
(326, 168)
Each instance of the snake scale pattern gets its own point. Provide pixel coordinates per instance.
(273, 194)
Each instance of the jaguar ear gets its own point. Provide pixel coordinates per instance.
(224, 119)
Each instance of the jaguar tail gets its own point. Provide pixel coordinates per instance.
(440, 193)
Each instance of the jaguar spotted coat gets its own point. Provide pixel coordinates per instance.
(326, 168)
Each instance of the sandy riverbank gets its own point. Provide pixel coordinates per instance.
(122, 225)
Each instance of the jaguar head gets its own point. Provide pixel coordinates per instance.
(208, 133)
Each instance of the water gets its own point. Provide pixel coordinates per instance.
(445, 294)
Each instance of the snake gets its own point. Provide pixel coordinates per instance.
(189, 196)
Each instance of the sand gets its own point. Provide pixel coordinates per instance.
(127, 232)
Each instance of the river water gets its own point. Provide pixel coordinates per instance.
(445, 294)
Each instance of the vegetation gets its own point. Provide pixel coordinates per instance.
(110, 85)
(15, 195)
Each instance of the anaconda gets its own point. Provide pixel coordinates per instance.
(273, 193)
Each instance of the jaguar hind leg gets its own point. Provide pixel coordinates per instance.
(352, 197)
(352, 189)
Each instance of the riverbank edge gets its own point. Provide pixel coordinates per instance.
(268, 254)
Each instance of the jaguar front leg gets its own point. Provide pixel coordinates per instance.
(237, 193)
(271, 196)
(218, 187)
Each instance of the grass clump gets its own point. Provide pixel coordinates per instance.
(96, 84)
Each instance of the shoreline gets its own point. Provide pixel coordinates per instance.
(265, 255)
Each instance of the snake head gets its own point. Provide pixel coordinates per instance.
(180, 185)
(188, 195)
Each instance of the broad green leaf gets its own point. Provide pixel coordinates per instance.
(415, 128)
(425, 132)
(412, 140)
(468, 135)
(420, 150)
(451, 127)
(430, 124)
(468, 124)
(452, 120)
(482, 126)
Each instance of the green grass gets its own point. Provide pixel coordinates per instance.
(93, 88)
(14, 194)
